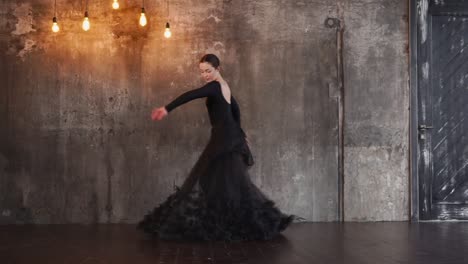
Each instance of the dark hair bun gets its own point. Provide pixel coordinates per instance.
(211, 59)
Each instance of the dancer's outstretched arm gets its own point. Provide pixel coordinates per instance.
(207, 90)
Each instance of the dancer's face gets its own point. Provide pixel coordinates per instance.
(208, 72)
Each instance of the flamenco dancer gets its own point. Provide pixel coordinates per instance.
(218, 200)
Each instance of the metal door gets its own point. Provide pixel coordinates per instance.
(441, 100)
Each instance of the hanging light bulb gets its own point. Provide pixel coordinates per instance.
(115, 5)
(86, 24)
(167, 32)
(55, 27)
(143, 20)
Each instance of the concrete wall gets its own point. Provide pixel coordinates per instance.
(77, 144)
(376, 110)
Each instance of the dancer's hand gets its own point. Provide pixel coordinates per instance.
(159, 113)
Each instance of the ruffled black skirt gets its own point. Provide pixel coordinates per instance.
(218, 201)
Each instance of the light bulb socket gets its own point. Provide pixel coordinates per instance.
(142, 10)
(86, 14)
(167, 25)
(54, 20)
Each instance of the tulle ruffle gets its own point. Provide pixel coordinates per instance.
(218, 201)
(192, 217)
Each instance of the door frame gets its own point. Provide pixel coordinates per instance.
(413, 130)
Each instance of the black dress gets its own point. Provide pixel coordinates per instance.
(218, 200)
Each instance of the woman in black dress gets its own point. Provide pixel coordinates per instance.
(218, 200)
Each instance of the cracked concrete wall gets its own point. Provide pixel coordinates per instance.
(77, 145)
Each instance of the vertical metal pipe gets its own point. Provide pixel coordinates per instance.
(339, 28)
(339, 40)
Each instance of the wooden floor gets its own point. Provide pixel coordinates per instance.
(307, 243)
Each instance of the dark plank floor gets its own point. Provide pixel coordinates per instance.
(308, 243)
